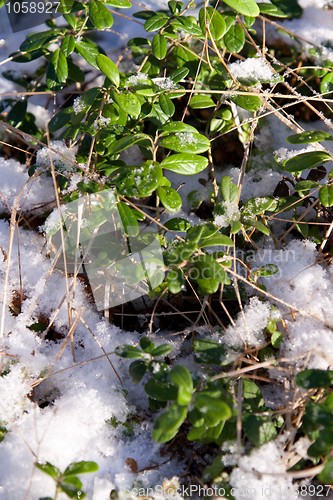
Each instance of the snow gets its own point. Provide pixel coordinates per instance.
(252, 67)
(231, 213)
(60, 163)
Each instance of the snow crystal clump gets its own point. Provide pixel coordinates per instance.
(249, 332)
(60, 163)
(78, 105)
(136, 79)
(52, 223)
(252, 67)
(283, 154)
(186, 137)
(14, 388)
(165, 83)
(250, 476)
(231, 213)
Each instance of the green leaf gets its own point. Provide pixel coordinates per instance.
(128, 102)
(100, 15)
(181, 377)
(258, 205)
(310, 379)
(175, 280)
(209, 352)
(126, 142)
(139, 181)
(326, 195)
(253, 400)
(88, 186)
(68, 45)
(167, 425)
(247, 221)
(304, 161)
(128, 219)
(259, 430)
(234, 39)
(214, 410)
(201, 101)
(326, 475)
(326, 84)
(137, 371)
(80, 468)
(246, 7)
(289, 7)
(57, 70)
(306, 185)
(49, 469)
(186, 142)
(167, 105)
(156, 22)
(177, 127)
(216, 239)
(170, 199)
(267, 270)
(248, 102)
(309, 136)
(129, 352)
(119, 4)
(161, 350)
(179, 74)
(230, 191)
(185, 163)
(147, 345)
(159, 46)
(88, 51)
(204, 268)
(37, 40)
(178, 224)
(75, 72)
(17, 113)
(214, 20)
(72, 489)
(109, 68)
(160, 391)
(271, 10)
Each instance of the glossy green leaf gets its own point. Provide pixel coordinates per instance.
(201, 101)
(230, 191)
(259, 430)
(326, 475)
(170, 199)
(309, 136)
(88, 51)
(326, 195)
(72, 490)
(100, 15)
(289, 7)
(68, 45)
(175, 280)
(126, 142)
(216, 239)
(271, 10)
(214, 410)
(267, 270)
(137, 371)
(128, 219)
(326, 84)
(57, 70)
(179, 74)
(161, 350)
(167, 425)
(248, 221)
(209, 352)
(160, 391)
(181, 377)
(234, 39)
(306, 185)
(109, 68)
(139, 181)
(214, 21)
(75, 72)
(37, 40)
(174, 127)
(205, 267)
(304, 161)
(246, 7)
(185, 163)
(177, 224)
(80, 468)
(259, 205)
(49, 469)
(314, 378)
(248, 102)
(17, 113)
(156, 22)
(129, 352)
(128, 102)
(159, 46)
(186, 142)
(119, 4)
(167, 105)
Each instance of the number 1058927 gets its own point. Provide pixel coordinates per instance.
(32, 7)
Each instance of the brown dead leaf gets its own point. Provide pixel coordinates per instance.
(132, 464)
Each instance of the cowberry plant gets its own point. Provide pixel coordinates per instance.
(177, 106)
